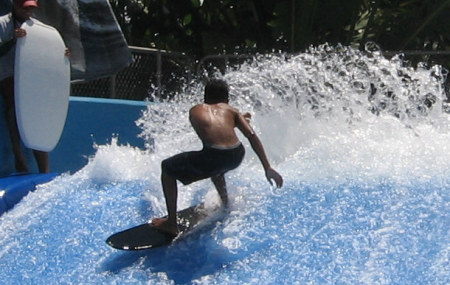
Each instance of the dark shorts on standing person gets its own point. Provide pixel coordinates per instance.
(211, 161)
(7, 90)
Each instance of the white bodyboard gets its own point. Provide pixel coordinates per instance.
(41, 86)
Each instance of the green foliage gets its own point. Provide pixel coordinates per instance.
(207, 27)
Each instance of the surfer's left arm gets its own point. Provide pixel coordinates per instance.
(257, 146)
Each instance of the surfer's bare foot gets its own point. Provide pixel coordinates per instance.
(163, 225)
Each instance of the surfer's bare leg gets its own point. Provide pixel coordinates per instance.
(221, 186)
(169, 224)
(42, 161)
(7, 88)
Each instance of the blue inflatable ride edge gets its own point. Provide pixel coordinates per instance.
(89, 121)
(13, 188)
(95, 121)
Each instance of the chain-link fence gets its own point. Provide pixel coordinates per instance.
(153, 73)
(210, 64)
(160, 74)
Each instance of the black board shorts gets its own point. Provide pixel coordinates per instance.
(192, 166)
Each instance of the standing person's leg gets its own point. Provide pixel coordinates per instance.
(42, 161)
(7, 89)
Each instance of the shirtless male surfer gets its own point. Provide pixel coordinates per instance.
(214, 122)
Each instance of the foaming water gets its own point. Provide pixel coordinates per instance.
(361, 141)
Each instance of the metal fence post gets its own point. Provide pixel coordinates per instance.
(112, 86)
(158, 72)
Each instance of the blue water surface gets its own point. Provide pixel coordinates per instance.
(380, 233)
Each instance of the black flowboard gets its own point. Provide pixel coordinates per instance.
(146, 236)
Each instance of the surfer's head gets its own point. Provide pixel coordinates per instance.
(216, 91)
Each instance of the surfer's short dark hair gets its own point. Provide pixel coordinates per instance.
(216, 91)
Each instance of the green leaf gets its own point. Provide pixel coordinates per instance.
(196, 3)
(187, 19)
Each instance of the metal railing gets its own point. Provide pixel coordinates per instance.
(213, 63)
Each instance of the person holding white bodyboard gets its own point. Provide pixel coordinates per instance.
(10, 31)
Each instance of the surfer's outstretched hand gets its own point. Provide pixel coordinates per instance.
(247, 117)
(271, 174)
